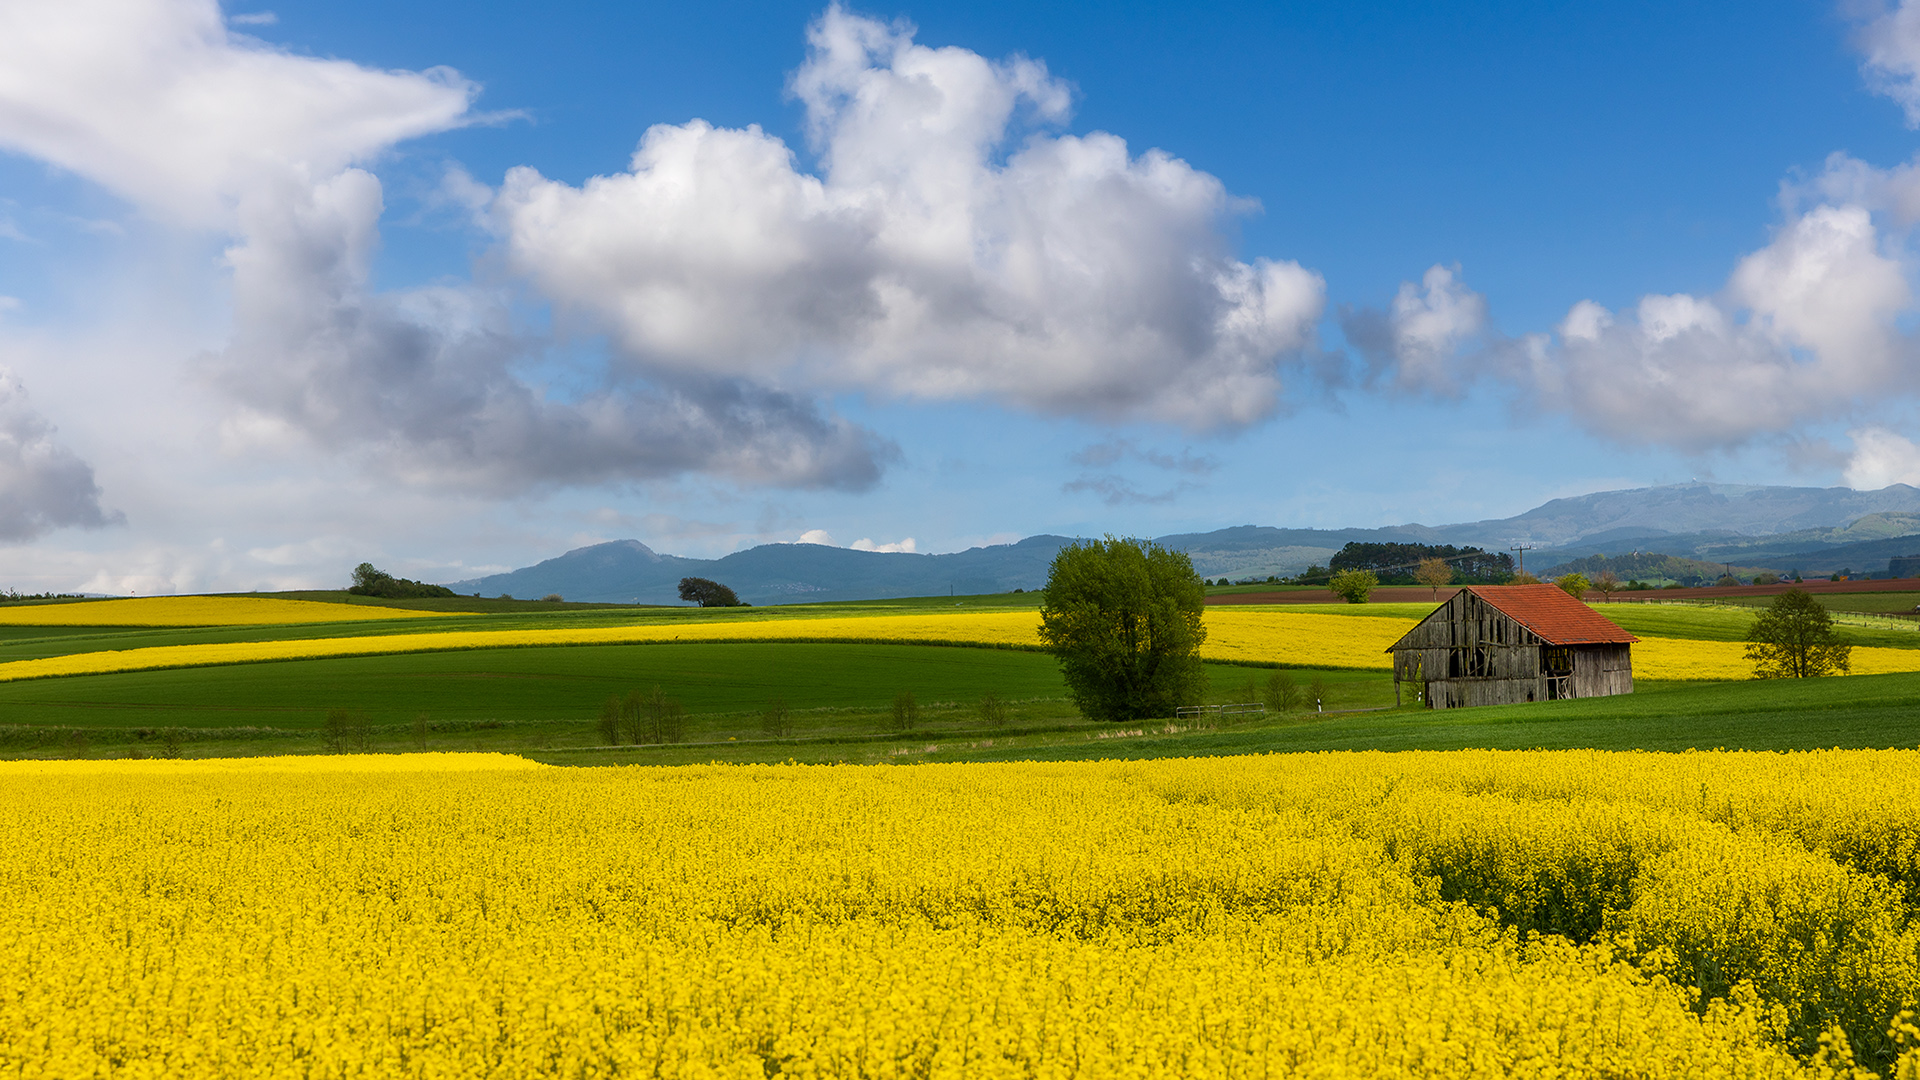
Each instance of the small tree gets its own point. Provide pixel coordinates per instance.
(1434, 573)
(1523, 578)
(1124, 619)
(1280, 694)
(776, 720)
(1354, 585)
(1794, 639)
(665, 719)
(906, 711)
(993, 711)
(1317, 691)
(612, 719)
(1574, 584)
(1608, 583)
(699, 590)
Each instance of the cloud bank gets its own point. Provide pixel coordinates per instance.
(422, 382)
(950, 248)
(937, 255)
(206, 129)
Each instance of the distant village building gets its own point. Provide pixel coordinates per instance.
(1501, 644)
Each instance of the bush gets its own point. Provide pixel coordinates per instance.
(553, 598)
(1317, 691)
(612, 713)
(1353, 585)
(1124, 619)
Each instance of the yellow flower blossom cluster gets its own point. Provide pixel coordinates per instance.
(1422, 915)
(198, 611)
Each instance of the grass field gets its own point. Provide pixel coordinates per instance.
(545, 700)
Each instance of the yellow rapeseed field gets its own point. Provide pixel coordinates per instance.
(197, 611)
(1469, 914)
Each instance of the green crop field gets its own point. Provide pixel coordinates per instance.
(545, 701)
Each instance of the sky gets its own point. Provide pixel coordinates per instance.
(454, 288)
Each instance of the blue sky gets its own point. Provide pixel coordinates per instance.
(288, 286)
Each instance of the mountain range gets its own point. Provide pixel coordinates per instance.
(1812, 530)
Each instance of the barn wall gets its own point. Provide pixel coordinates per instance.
(1602, 670)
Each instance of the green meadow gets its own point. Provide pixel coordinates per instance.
(546, 701)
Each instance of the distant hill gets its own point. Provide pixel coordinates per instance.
(1651, 568)
(627, 571)
(1776, 528)
(1616, 518)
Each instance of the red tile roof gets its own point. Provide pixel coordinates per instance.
(1556, 617)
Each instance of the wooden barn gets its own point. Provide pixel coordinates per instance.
(1500, 644)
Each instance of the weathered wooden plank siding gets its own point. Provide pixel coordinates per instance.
(1602, 670)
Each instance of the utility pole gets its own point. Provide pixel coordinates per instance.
(1520, 565)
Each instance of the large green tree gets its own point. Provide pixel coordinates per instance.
(1794, 639)
(1123, 617)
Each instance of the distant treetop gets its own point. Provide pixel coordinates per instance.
(369, 580)
(706, 593)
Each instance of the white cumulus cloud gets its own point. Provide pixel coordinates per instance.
(1415, 343)
(1881, 457)
(1891, 43)
(867, 544)
(937, 254)
(1805, 329)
